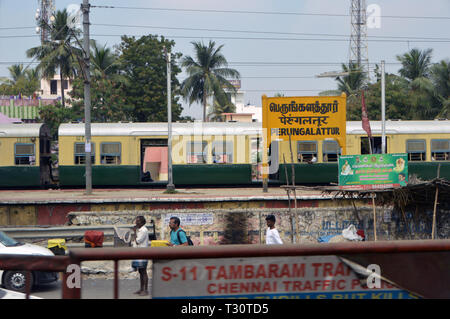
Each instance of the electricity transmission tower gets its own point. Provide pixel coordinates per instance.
(359, 52)
(44, 15)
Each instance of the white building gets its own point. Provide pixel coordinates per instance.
(51, 88)
(242, 108)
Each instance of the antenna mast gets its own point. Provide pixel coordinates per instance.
(44, 15)
(359, 52)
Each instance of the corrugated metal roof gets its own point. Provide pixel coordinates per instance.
(22, 112)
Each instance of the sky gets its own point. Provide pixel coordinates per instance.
(278, 46)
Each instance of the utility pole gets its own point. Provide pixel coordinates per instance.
(383, 109)
(170, 185)
(87, 96)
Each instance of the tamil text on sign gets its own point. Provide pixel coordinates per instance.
(372, 171)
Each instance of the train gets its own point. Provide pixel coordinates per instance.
(211, 153)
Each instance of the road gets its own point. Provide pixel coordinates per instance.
(93, 289)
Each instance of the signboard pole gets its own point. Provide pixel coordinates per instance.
(374, 217)
(383, 110)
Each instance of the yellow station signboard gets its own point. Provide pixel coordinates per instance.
(305, 118)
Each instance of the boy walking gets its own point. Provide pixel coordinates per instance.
(272, 235)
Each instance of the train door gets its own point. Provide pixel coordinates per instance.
(273, 160)
(375, 142)
(154, 161)
(45, 163)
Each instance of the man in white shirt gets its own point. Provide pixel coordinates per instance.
(141, 241)
(272, 235)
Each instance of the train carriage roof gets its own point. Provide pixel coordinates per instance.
(146, 129)
(236, 128)
(23, 129)
(401, 127)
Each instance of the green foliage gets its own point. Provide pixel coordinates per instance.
(61, 53)
(420, 92)
(143, 62)
(207, 74)
(54, 115)
(222, 104)
(24, 82)
(415, 64)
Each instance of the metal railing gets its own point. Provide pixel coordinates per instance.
(78, 255)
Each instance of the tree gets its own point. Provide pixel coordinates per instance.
(207, 74)
(54, 115)
(60, 53)
(104, 62)
(24, 82)
(397, 100)
(415, 64)
(352, 83)
(440, 77)
(143, 62)
(16, 71)
(108, 102)
(221, 104)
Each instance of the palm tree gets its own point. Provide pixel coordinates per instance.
(415, 64)
(16, 71)
(221, 104)
(104, 62)
(60, 53)
(352, 83)
(206, 75)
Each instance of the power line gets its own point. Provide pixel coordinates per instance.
(243, 31)
(259, 32)
(265, 12)
(273, 38)
(248, 63)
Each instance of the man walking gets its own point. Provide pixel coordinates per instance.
(177, 235)
(272, 235)
(141, 241)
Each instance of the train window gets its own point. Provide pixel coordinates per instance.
(440, 150)
(331, 151)
(196, 152)
(24, 154)
(375, 142)
(306, 151)
(80, 154)
(416, 150)
(222, 152)
(110, 153)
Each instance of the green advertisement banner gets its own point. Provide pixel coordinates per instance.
(373, 171)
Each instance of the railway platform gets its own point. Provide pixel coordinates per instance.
(51, 207)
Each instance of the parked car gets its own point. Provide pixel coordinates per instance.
(16, 279)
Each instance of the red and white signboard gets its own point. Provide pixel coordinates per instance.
(308, 277)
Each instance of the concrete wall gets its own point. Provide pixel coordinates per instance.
(210, 226)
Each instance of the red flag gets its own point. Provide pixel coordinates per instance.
(365, 117)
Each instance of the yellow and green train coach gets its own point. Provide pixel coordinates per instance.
(427, 144)
(25, 155)
(135, 154)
